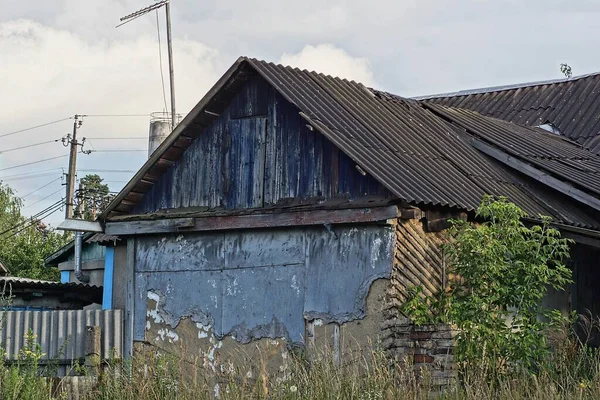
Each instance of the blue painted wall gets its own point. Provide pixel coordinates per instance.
(64, 276)
(259, 153)
(260, 283)
(109, 266)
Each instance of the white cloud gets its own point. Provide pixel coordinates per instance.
(50, 73)
(331, 60)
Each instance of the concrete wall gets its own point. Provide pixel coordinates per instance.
(211, 293)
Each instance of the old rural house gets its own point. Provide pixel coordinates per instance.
(290, 208)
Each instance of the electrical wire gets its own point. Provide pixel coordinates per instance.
(119, 138)
(41, 187)
(160, 63)
(42, 171)
(19, 224)
(107, 170)
(33, 162)
(34, 222)
(35, 127)
(28, 177)
(28, 146)
(40, 200)
(117, 115)
(118, 151)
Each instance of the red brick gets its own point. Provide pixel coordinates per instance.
(422, 358)
(420, 335)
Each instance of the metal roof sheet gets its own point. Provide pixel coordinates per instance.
(545, 151)
(571, 105)
(407, 147)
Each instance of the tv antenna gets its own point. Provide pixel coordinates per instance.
(144, 11)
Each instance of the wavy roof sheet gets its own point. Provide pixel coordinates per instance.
(412, 151)
(571, 105)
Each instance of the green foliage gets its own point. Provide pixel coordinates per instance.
(95, 196)
(502, 271)
(22, 379)
(571, 373)
(23, 253)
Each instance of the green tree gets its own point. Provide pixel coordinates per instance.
(505, 270)
(24, 244)
(95, 196)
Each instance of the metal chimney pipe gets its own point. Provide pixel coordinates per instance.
(160, 128)
(78, 247)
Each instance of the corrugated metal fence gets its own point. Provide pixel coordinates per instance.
(61, 334)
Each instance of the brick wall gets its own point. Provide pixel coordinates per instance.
(428, 349)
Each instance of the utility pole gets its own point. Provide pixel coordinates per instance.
(171, 74)
(72, 168)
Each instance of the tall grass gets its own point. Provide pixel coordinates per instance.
(572, 372)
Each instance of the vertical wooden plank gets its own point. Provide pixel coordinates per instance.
(336, 344)
(129, 300)
(271, 178)
(258, 173)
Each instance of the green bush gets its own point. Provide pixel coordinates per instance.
(500, 271)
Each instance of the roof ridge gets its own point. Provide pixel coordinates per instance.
(502, 88)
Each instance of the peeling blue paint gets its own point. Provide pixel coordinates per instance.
(260, 283)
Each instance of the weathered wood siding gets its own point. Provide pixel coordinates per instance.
(258, 153)
(419, 260)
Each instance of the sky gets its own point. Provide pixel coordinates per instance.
(59, 58)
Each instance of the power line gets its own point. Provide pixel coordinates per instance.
(160, 66)
(118, 138)
(118, 151)
(40, 200)
(33, 222)
(59, 202)
(31, 173)
(107, 170)
(41, 187)
(116, 115)
(35, 127)
(28, 146)
(24, 221)
(28, 177)
(33, 162)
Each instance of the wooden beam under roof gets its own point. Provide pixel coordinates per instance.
(284, 219)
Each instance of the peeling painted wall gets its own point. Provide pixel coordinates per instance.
(259, 283)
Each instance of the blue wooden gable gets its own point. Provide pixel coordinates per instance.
(259, 153)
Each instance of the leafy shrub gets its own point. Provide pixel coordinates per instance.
(502, 270)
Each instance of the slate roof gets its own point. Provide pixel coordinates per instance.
(18, 282)
(408, 147)
(572, 105)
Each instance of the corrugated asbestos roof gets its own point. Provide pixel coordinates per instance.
(417, 155)
(40, 284)
(547, 152)
(572, 105)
